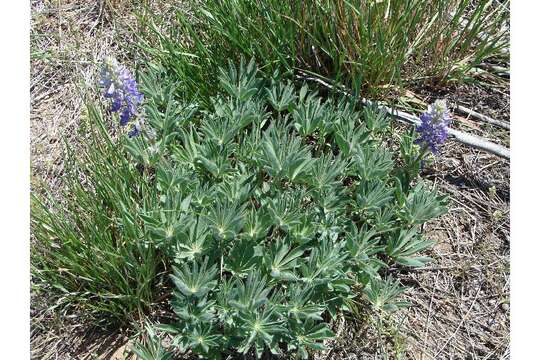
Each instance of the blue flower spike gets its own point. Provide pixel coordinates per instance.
(120, 86)
(433, 128)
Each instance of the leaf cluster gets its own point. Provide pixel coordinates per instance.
(277, 208)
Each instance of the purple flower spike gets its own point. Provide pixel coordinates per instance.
(433, 128)
(121, 87)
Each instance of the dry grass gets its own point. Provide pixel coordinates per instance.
(460, 303)
(67, 39)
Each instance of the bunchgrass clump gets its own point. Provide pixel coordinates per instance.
(370, 46)
(89, 251)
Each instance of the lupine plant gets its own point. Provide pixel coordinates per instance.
(264, 216)
(278, 209)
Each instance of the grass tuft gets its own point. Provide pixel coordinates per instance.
(88, 249)
(370, 46)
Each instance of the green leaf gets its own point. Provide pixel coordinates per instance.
(422, 205)
(402, 246)
(196, 281)
(282, 260)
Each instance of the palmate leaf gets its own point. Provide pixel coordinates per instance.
(363, 245)
(204, 340)
(200, 337)
(332, 200)
(304, 230)
(332, 284)
(250, 293)
(282, 260)
(383, 294)
(372, 163)
(344, 110)
(284, 210)
(237, 190)
(214, 160)
(189, 148)
(238, 114)
(402, 246)
(194, 241)
(283, 155)
(309, 116)
(145, 151)
(299, 306)
(409, 152)
(196, 281)
(327, 172)
(373, 195)
(308, 335)
(156, 87)
(422, 205)
(175, 179)
(242, 83)
(256, 224)
(165, 226)
(324, 264)
(164, 113)
(348, 135)
(248, 153)
(192, 313)
(331, 226)
(152, 349)
(281, 96)
(230, 118)
(225, 218)
(376, 119)
(242, 259)
(260, 329)
(220, 130)
(224, 294)
(203, 196)
(384, 220)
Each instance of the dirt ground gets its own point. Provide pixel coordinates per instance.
(459, 303)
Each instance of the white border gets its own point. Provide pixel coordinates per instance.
(525, 199)
(15, 177)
